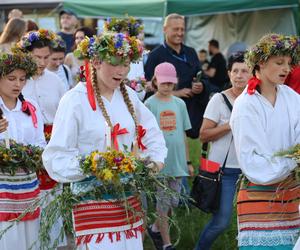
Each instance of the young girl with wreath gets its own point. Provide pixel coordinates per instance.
(25, 125)
(84, 118)
(265, 120)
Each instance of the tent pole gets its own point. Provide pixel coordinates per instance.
(165, 10)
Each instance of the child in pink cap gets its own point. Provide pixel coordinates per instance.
(172, 117)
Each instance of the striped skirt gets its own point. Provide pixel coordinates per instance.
(268, 216)
(97, 219)
(18, 193)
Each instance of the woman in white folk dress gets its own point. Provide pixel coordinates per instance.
(79, 128)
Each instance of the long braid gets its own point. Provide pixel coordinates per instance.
(99, 98)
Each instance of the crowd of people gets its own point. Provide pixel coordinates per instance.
(63, 91)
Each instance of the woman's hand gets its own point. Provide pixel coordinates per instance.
(191, 170)
(3, 124)
(155, 167)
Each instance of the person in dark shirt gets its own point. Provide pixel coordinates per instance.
(185, 59)
(68, 21)
(202, 55)
(216, 70)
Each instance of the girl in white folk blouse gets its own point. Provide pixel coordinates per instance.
(79, 129)
(24, 124)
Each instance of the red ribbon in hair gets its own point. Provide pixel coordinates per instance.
(89, 87)
(252, 84)
(115, 132)
(28, 106)
(140, 135)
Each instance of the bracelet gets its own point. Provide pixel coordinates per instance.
(188, 162)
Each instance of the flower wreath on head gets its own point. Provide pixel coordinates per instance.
(12, 61)
(9, 63)
(33, 36)
(114, 48)
(271, 45)
(58, 43)
(129, 25)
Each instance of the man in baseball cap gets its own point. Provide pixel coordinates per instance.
(68, 22)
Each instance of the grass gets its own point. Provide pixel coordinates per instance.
(192, 223)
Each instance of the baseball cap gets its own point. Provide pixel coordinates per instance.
(165, 72)
(67, 11)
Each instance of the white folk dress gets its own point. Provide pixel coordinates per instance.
(260, 130)
(79, 130)
(20, 128)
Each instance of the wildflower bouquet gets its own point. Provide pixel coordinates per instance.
(118, 172)
(292, 153)
(19, 156)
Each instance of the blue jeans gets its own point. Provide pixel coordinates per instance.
(222, 218)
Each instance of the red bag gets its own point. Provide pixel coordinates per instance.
(209, 166)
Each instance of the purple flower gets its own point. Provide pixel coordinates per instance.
(92, 40)
(118, 160)
(32, 37)
(279, 44)
(119, 40)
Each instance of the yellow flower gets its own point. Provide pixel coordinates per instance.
(127, 166)
(107, 174)
(6, 157)
(43, 33)
(83, 46)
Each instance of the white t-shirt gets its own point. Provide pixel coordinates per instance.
(62, 76)
(218, 112)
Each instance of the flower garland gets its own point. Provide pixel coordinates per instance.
(58, 43)
(128, 25)
(33, 36)
(114, 48)
(10, 62)
(273, 45)
(19, 156)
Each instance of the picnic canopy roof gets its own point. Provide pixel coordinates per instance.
(161, 8)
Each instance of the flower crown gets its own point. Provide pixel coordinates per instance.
(11, 62)
(114, 48)
(33, 36)
(128, 25)
(273, 45)
(58, 43)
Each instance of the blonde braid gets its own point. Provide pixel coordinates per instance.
(99, 98)
(129, 105)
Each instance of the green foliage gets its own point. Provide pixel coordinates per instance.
(19, 156)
